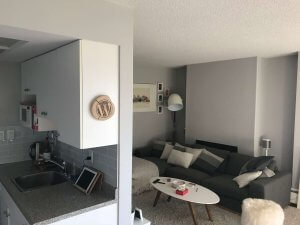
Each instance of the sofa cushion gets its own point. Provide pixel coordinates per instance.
(179, 158)
(189, 174)
(207, 162)
(219, 152)
(256, 164)
(157, 148)
(224, 185)
(236, 162)
(160, 163)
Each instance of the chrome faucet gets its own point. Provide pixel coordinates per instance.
(63, 166)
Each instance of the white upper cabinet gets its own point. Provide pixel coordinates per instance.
(66, 81)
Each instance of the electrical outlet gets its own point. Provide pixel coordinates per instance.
(10, 134)
(91, 154)
(2, 136)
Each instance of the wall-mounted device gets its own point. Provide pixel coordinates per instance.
(26, 115)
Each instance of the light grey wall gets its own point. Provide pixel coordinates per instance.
(10, 93)
(296, 150)
(276, 94)
(149, 126)
(221, 103)
(97, 21)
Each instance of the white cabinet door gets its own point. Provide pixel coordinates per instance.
(10, 213)
(29, 82)
(100, 76)
(102, 216)
(4, 215)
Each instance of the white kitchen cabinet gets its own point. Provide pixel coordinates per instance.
(102, 216)
(10, 213)
(66, 81)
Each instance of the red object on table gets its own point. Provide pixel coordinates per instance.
(182, 192)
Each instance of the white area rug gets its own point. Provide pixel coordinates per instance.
(177, 212)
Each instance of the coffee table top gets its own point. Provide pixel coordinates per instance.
(197, 193)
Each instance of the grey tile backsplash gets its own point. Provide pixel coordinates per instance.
(17, 150)
(105, 159)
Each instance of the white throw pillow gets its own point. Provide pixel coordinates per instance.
(196, 152)
(267, 173)
(167, 150)
(245, 178)
(179, 158)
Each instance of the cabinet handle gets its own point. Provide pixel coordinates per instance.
(44, 113)
(26, 89)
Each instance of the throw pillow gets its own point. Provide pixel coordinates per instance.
(179, 158)
(167, 150)
(157, 148)
(267, 173)
(256, 164)
(207, 162)
(178, 148)
(273, 166)
(244, 179)
(196, 152)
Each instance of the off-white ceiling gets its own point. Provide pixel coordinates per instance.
(179, 32)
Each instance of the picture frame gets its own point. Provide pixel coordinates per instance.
(160, 98)
(160, 110)
(144, 98)
(87, 180)
(160, 86)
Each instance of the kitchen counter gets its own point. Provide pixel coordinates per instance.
(53, 203)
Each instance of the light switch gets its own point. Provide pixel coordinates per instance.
(2, 136)
(10, 134)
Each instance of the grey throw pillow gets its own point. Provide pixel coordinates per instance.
(207, 162)
(256, 164)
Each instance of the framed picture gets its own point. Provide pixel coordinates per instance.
(144, 97)
(160, 86)
(160, 98)
(160, 110)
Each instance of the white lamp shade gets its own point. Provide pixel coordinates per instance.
(175, 102)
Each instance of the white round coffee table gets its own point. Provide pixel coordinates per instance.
(197, 194)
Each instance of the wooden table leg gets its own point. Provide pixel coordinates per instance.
(208, 213)
(192, 212)
(156, 198)
(169, 199)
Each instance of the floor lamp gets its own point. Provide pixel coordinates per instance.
(174, 104)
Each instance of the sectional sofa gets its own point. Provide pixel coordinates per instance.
(276, 188)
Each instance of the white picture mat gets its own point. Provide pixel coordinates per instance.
(148, 90)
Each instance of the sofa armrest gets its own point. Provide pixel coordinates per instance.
(276, 188)
(142, 152)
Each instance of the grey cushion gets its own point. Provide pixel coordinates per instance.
(236, 162)
(157, 149)
(219, 152)
(256, 164)
(207, 162)
(225, 186)
(161, 164)
(189, 174)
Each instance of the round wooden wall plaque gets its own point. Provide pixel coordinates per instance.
(102, 108)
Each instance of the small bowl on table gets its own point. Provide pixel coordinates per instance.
(178, 184)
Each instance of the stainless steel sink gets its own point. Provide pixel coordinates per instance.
(39, 180)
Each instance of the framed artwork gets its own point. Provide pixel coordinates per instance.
(160, 110)
(144, 97)
(160, 98)
(160, 86)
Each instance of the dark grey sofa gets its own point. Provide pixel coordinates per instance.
(276, 188)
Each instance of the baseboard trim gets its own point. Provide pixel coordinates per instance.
(294, 196)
